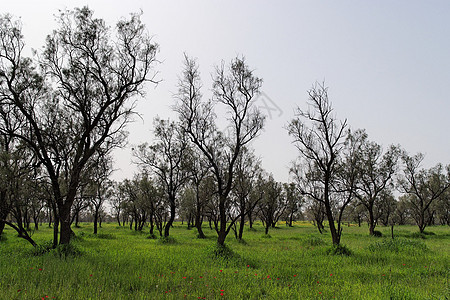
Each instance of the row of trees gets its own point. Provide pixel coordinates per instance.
(338, 167)
(65, 111)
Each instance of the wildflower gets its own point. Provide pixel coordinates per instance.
(40, 269)
(90, 275)
(221, 294)
(184, 277)
(222, 290)
(201, 276)
(220, 270)
(331, 274)
(295, 275)
(320, 293)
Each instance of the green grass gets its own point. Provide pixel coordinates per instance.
(292, 264)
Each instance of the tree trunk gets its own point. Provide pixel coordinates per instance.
(36, 224)
(77, 217)
(250, 219)
(55, 228)
(371, 222)
(222, 233)
(95, 222)
(172, 216)
(2, 227)
(241, 226)
(198, 225)
(65, 232)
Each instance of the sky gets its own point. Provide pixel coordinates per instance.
(386, 64)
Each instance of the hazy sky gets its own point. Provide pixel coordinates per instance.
(386, 63)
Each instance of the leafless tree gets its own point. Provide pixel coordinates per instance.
(375, 175)
(167, 159)
(235, 88)
(319, 138)
(81, 101)
(424, 186)
(248, 169)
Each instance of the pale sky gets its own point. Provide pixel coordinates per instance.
(386, 63)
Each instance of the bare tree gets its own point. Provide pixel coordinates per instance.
(81, 101)
(235, 88)
(294, 202)
(273, 204)
(167, 158)
(375, 175)
(100, 186)
(424, 186)
(248, 169)
(319, 138)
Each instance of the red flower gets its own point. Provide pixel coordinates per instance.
(184, 277)
(320, 293)
(201, 276)
(222, 290)
(90, 275)
(40, 269)
(295, 275)
(220, 270)
(221, 294)
(331, 274)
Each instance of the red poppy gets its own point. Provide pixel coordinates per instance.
(331, 274)
(220, 270)
(221, 294)
(222, 290)
(40, 269)
(295, 275)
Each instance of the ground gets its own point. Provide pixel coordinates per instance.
(290, 263)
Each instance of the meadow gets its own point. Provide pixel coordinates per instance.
(290, 263)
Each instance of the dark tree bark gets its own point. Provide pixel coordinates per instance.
(236, 89)
(94, 79)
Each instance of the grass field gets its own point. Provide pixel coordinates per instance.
(290, 264)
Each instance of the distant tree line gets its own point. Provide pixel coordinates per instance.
(63, 112)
